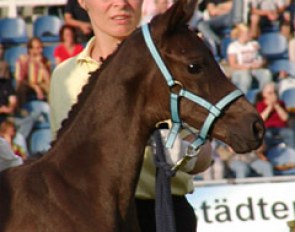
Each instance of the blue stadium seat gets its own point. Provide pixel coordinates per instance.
(48, 52)
(274, 46)
(283, 64)
(288, 97)
(224, 45)
(47, 28)
(13, 31)
(251, 95)
(12, 54)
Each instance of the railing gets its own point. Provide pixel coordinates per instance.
(12, 5)
(249, 180)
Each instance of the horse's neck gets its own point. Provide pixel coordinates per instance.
(104, 143)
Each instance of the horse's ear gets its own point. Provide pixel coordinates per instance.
(178, 14)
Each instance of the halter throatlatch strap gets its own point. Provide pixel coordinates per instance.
(214, 110)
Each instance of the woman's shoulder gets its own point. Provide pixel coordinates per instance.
(233, 47)
(23, 58)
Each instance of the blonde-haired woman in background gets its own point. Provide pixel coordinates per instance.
(245, 60)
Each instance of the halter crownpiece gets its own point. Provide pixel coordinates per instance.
(214, 110)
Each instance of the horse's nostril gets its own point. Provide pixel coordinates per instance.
(258, 129)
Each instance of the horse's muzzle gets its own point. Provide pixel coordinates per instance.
(258, 129)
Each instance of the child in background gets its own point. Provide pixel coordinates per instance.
(11, 154)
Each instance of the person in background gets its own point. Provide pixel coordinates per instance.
(282, 158)
(245, 60)
(267, 12)
(68, 46)
(223, 14)
(32, 73)
(217, 170)
(4, 66)
(291, 48)
(78, 18)
(8, 99)
(243, 164)
(7, 158)
(275, 117)
(112, 22)
(8, 132)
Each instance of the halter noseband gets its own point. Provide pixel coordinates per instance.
(214, 110)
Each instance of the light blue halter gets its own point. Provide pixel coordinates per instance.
(214, 110)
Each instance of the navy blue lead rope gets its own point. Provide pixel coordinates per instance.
(165, 220)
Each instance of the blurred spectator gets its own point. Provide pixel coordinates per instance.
(78, 18)
(8, 100)
(32, 73)
(243, 165)
(68, 46)
(275, 116)
(282, 158)
(245, 60)
(8, 132)
(266, 12)
(216, 171)
(292, 48)
(222, 14)
(197, 17)
(7, 158)
(4, 67)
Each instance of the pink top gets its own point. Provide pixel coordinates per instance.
(62, 53)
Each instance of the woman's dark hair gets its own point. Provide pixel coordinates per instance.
(67, 27)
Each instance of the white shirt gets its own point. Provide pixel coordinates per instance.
(7, 157)
(246, 53)
(270, 5)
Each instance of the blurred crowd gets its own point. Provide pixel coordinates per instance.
(236, 31)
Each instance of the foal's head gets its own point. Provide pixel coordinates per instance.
(192, 64)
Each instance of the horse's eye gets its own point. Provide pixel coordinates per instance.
(194, 68)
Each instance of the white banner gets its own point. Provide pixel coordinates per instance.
(244, 208)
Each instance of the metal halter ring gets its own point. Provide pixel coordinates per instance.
(176, 87)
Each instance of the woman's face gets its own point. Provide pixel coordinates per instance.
(36, 48)
(269, 93)
(115, 18)
(68, 35)
(244, 36)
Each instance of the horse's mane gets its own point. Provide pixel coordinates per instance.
(82, 96)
